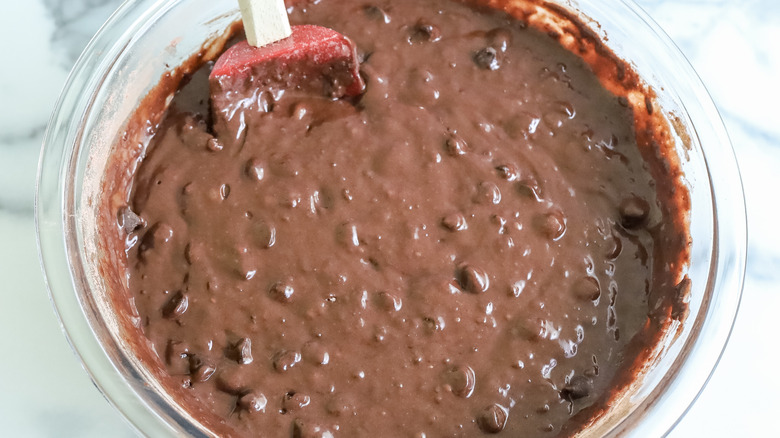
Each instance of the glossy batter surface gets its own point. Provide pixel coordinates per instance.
(466, 249)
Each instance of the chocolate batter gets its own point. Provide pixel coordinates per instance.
(474, 246)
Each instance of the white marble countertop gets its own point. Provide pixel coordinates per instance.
(44, 392)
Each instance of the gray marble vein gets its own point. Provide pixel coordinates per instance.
(62, 30)
(75, 22)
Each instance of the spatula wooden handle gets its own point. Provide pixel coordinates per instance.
(265, 21)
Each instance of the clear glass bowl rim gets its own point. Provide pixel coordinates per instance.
(151, 414)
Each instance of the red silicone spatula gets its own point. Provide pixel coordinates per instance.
(277, 57)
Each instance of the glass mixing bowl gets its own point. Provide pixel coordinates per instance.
(144, 38)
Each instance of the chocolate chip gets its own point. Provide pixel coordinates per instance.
(558, 113)
(530, 187)
(160, 233)
(293, 401)
(176, 351)
(493, 418)
(301, 109)
(263, 234)
(380, 333)
(508, 172)
(433, 324)
(521, 124)
(242, 351)
(451, 287)
(614, 246)
(473, 279)
(500, 39)
(424, 32)
(388, 302)
(586, 289)
(376, 13)
(324, 199)
(634, 212)
(488, 193)
(461, 380)
(232, 379)
(338, 406)
(202, 370)
(129, 221)
(552, 225)
(177, 357)
(255, 169)
(241, 260)
(530, 330)
(190, 253)
(305, 429)
(265, 104)
(577, 388)
(516, 288)
(313, 352)
(421, 88)
(455, 145)
(284, 360)
(224, 191)
(285, 165)
(184, 382)
(455, 222)
(214, 145)
(176, 306)
(252, 402)
(347, 235)
(487, 58)
(591, 372)
(281, 291)
(214, 283)
(498, 220)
